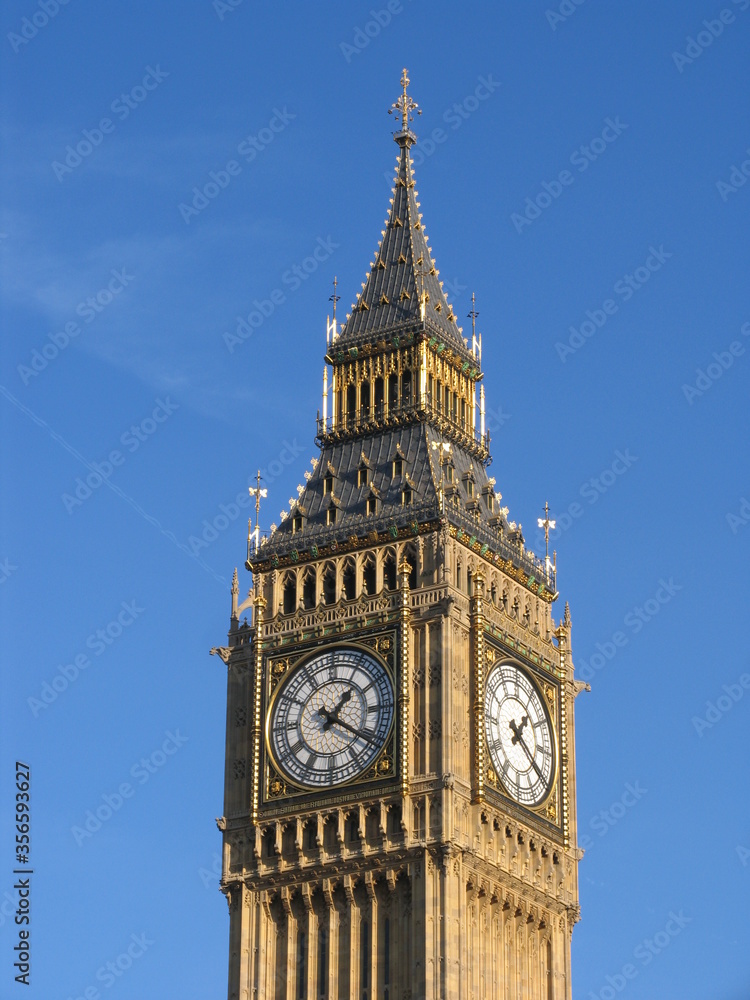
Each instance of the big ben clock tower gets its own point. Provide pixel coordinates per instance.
(399, 794)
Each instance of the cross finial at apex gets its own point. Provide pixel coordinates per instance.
(405, 106)
(546, 523)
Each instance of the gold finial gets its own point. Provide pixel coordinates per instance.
(334, 298)
(546, 524)
(405, 105)
(257, 492)
(476, 343)
(331, 328)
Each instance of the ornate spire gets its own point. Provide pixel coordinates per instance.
(402, 291)
(546, 523)
(406, 107)
(235, 594)
(253, 536)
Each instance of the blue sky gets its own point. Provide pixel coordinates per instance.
(585, 178)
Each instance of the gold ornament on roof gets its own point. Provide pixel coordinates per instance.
(404, 106)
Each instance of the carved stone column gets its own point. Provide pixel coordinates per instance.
(290, 963)
(370, 980)
(332, 932)
(352, 911)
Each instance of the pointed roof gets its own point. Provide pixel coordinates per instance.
(422, 469)
(403, 272)
(432, 498)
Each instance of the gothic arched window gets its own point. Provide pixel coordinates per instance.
(290, 593)
(349, 580)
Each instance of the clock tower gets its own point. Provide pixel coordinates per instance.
(399, 793)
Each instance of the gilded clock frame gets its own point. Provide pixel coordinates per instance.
(549, 691)
(384, 768)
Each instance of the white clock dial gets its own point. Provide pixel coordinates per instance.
(331, 717)
(519, 734)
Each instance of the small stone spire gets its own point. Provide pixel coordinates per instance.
(566, 616)
(235, 595)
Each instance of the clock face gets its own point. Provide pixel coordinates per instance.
(519, 734)
(331, 717)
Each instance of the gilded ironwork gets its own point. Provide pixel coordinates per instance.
(405, 686)
(260, 604)
(478, 668)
